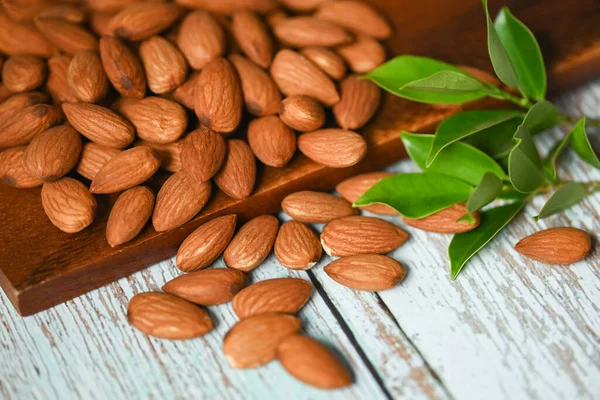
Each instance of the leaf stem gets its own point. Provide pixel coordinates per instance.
(593, 186)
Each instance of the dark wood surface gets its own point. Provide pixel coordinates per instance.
(41, 266)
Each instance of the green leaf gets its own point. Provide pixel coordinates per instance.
(549, 163)
(500, 60)
(524, 54)
(486, 192)
(565, 197)
(540, 117)
(462, 125)
(417, 195)
(465, 245)
(496, 141)
(582, 146)
(432, 81)
(458, 160)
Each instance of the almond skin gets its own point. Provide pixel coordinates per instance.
(57, 85)
(169, 153)
(353, 188)
(357, 16)
(368, 272)
(302, 113)
(295, 74)
(238, 173)
(556, 245)
(272, 141)
(218, 96)
(165, 66)
(285, 295)
(23, 72)
(206, 243)
(99, 124)
(201, 39)
(129, 214)
(22, 38)
(203, 154)
(334, 148)
(68, 204)
(86, 77)
(252, 243)
(261, 94)
(68, 37)
(253, 341)
(361, 235)
(297, 246)
(123, 68)
(179, 200)
(11, 169)
(53, 153)
(253, 38)
(312, 363)
(26, 124)
(445, 221)
(364, 55)
(20, 101)
(307, 31)
(208, 287)
(126, 170)
(316, 207)
(92, 159)
(140, 21)
(329, 61)
(359, 101)
(184, 94)
(168, 317)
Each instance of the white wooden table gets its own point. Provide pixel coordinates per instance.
(508, 328)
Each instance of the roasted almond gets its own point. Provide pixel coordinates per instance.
(261, 94)
(165, 66)
(26, 124)
(445, 221)
(329, 61)
(123, 68)
(334, 148)
(126, 170)
(57, 85)
(168, 317)
(275, 17)
(68, 12)
(24, 11)
(129, 214)
(357, 16)
(169, 154)
(308, 31)
(295, 74)
(20, 101)
(141, 20)
(231, 6)
(53, 153)
(302, 113)
(202, 154)
(108, 5)
(359, 101)
(368, 272)
(206, 243)
(253, 341)
(92, 159)
(272, 141)
(353, 188)
(316, 207)
(67, 36)
(22, 38)
(23, 72)
(312, 363)
(4, 92)
(556, 245)
(252, 243)
(11, 169)
(86, 76)
(364, 55)
(68, 204)
(238, 173)
(252, 36)
(361, 235)
(208, 287)
(297, 246)
(180, 198)
(285, 295)
(201, 39)
(184, 94)
(99, 23)
(302, 5)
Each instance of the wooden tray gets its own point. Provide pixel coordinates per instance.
(41, 266)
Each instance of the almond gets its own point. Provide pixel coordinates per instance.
(22, 38)
(202, 154)
(4, 92)
(140, 21)
(128, 216)
(184, 94)
(275, 17)
(368, 272)
(284, 295)
(53, 153)
(24, 11)
(165, 66)
(316, 207)
(238, 173)
(218, 96)
(252, 36)
(297, 246)
(353, 188)
(26, 124)
(361, 235)
(123, 68)
(326, 59)
(445, 221)
(252, 243)
(99, 22)
(208, 287)
(359, 101)
(206, 243)
(272, 141)
(20, 101)
(302, 113)
(11, 169)
(168, 317)
(68, 37)
(307, 31)
(68, 204)
(86, 77)
(57, 85)
(253, 341)
(357, 16)
(108, 5)
(302, 5)
(201, 39)
(92, 159)
(364, 55)
(180, 198)
(23, 72)
(71, 13)
(155, 119)
(230, 6)
(261, 94)
(334, 148)
(556, 245)
(295, 74)
(312, 363)
(169, 154)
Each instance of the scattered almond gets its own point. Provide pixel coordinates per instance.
(208, 287)
(26, 124)
(556, 245)
(184, 94)
(20, 101)
(68, 204)
(67, 36)
(23, 72)
(231, 6)
(201, 39)
(297, 246)
(359, 101)
(56, 84)
(302, 5)
(165, 66)
(86, 77)
(272, 141)
(92, 159)
(329, 61)
(123, 68)
(261, 95)
(139, 21)
(368, 272)
(169, 154)
(302, 113)
(108, 5)
(11, 169)
(202, 154)
(253, 38)
(275, 17)
(364, 55)
(252, 243)
(316, 207)
(129, 214)
(445, 221)
(357, 16)
(334, 148)
(284, 295)
(71, 13)
(22, 38)
(238, 173)
(99, 23)
(308, 31)
(353, 188)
